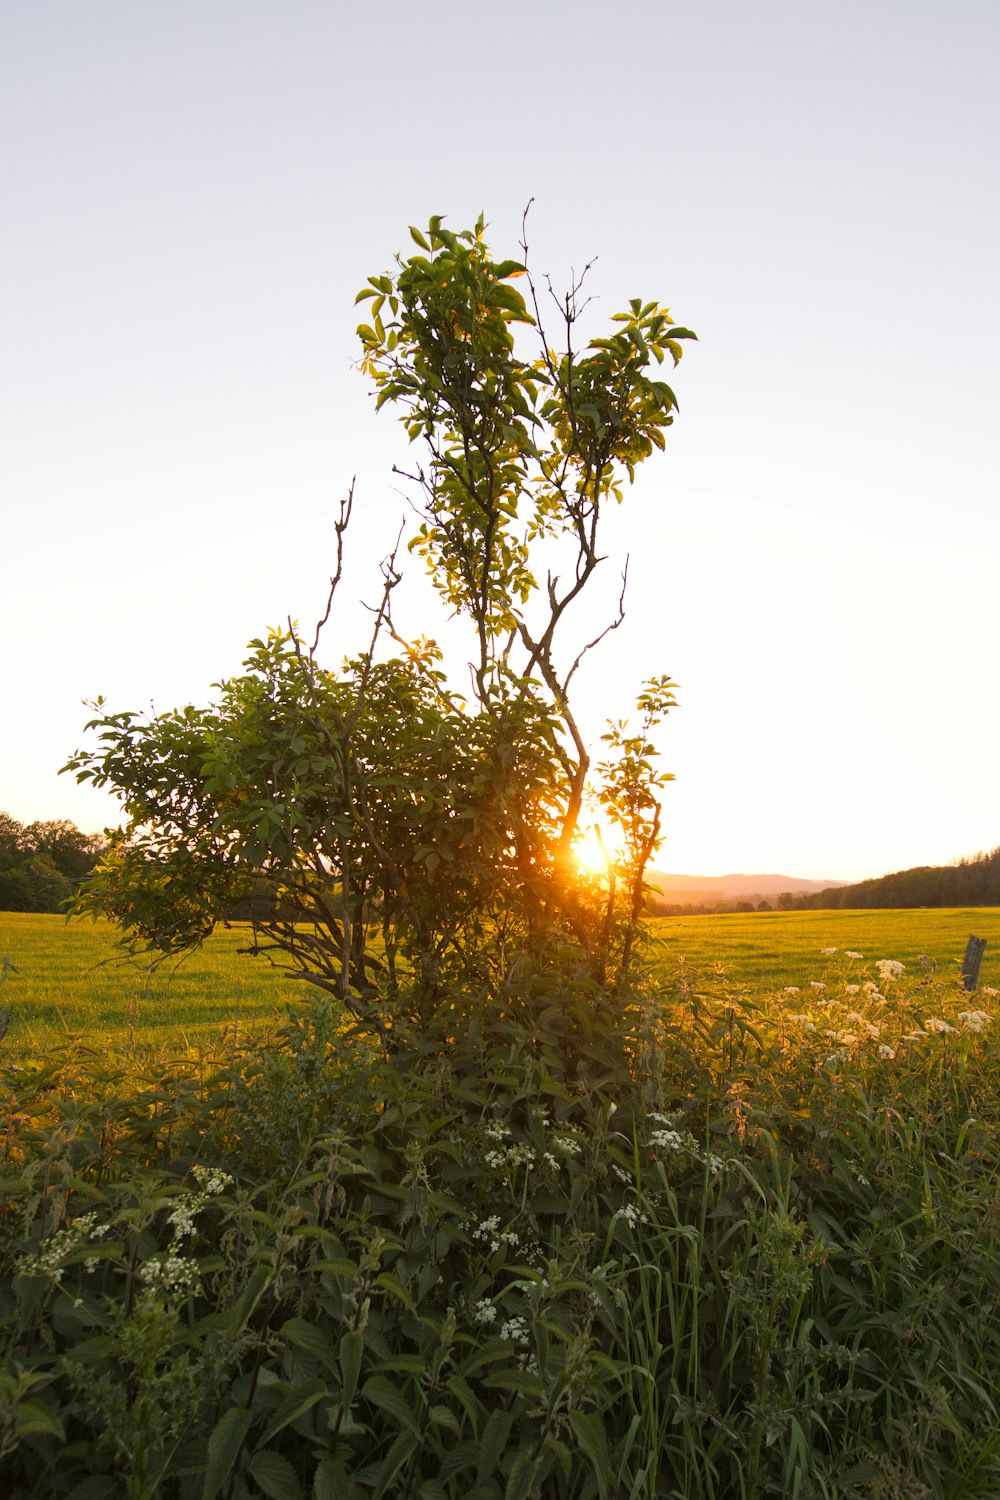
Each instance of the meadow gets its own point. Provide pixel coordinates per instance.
(71, 978)
(748, 1248)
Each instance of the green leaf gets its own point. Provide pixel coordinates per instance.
(495, 1437)
(306, 1336)
(275, 1476)
(418, 239)
(223, 1448)
(588, 1429)
(351, 1350)
(95, 1487)
(405, 1445)
(381, 1392)
(301, 1399)
(521, 1483)
(330, 1482)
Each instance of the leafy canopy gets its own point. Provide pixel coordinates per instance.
(401, 845)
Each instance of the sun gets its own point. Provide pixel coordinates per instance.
(593, 847)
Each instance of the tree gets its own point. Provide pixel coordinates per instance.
(42, 864)
(416, 843)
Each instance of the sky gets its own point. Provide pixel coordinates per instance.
(191, 195)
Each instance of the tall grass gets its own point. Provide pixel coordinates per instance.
(763, 1263)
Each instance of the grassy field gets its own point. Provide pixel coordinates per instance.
(68, 978)
(767, 950)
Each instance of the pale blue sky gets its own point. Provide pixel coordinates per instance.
(192, 194)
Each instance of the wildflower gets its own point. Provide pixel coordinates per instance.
(827, 952)
(816, 984)
(494, 1159)
(632, 1215)
(567, 1143)
(549, 1159)
(851, 989)
(667, 1140)
(791, 989)
(851, 954)
(938, 1025)
(485, 1312)
(889, 969)
(182, 1218)
(515, 1330)
(973, 1020)
(170, 1273)
(497, 1132)
(988, 989)
(211, 1180)
(885, 1051)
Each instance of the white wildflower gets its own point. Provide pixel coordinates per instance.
(170, 1273)
(549, 1159)
(827, 952)
(938, 1025)
(885, 1051)
(850, 953)
(212, 1180)
(851, 989)
(974, 1020)
(485, 1311)
(515, 1331)
(791, 989)
(816, 984)
(889, 969)
(988, 989)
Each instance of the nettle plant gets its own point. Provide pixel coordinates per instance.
(403, 846)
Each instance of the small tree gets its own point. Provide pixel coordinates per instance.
(401, 844)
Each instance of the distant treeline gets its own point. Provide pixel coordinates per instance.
(41, 864)
(970, 882)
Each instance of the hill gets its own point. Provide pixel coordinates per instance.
(711, 890)
(967, 882)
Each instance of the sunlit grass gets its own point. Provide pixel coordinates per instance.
(771, 949)
(69, 977)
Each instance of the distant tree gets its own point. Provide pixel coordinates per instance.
(786, 901)
(764, 906)
(41, 865)
(743, 906)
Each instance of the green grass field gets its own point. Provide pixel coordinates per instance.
(767, 950)
(68, 978)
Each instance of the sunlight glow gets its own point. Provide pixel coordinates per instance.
(593, 848)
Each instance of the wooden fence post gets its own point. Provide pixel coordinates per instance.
(970, 963)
